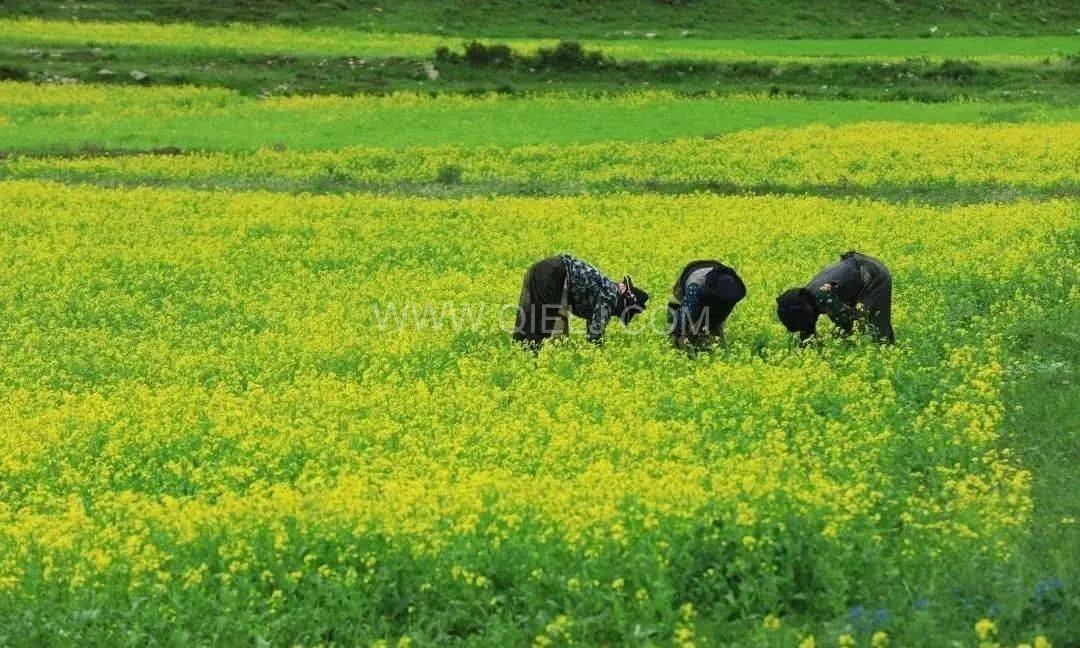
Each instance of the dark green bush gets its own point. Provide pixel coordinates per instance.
(12, 73)
(569, 55)
(449, 174)
(444, 55)
(953, 70)
(495, 55)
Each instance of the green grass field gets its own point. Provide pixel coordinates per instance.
(329, 41)
(67, 120)
(258, 384)
(607, 19)
(260, 59)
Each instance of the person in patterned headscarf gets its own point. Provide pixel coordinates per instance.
(855, 288)
(555, 288)
(704, 295)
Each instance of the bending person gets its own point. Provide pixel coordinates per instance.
(857, 287)
(703, 297)
(557, 287)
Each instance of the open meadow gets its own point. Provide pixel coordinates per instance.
(258, 382)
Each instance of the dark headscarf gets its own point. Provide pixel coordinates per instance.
(630, 303)
(795, 308)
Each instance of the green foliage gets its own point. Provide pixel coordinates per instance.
(448, 174)
(958, 71)
(478, 54)
(569, 56)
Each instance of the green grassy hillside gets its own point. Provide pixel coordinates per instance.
(603, 19)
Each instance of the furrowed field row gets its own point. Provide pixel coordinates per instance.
(41, 118)
(331, 41)
(863, 156)
(206, 412)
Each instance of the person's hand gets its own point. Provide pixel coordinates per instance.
(827, 287)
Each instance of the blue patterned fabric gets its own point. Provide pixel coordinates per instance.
(688, 311)
(592, 295)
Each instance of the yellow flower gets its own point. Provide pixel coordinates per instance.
(687, 612)
(985, 628)
(879, 639)
(1042, 642)
(771, 622)
(846, 641)
(807, 642)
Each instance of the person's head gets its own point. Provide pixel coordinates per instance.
(631, 300)
(722, 291)
(797, 312)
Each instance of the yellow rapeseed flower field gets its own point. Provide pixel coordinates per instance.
(859, 155)
(246, 409)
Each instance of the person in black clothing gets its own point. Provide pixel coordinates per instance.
(704, 295)
(855, 288)
(556, 287)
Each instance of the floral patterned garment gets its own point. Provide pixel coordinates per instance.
(689, 311)
(592, 294)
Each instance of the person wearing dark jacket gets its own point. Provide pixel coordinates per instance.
(855, 288)
(557, 287)
(704, 295)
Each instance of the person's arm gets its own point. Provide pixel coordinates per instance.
(840, 313)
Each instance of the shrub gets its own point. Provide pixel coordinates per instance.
(569, 55)
(953, 70)
(495, 55)
(444, 55)
(12, 73)
(449, 174)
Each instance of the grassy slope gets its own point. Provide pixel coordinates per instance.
(1047, 81)
(242, 124)
(602, 19)
(277, 59)
(345, 41)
